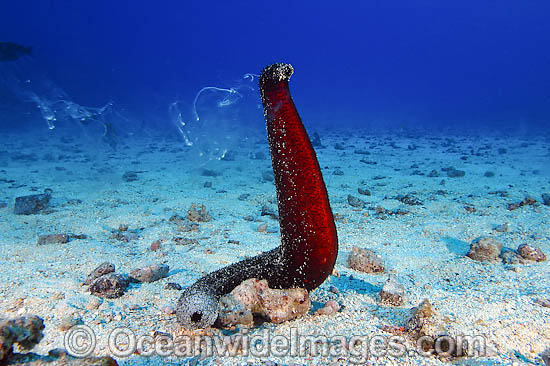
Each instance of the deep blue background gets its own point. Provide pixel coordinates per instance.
(400, 62)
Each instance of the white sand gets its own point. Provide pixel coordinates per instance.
(424, 250)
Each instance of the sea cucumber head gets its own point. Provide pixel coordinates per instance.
(197, 307)
(276, 73)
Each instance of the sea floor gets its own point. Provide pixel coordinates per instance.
(424, 249)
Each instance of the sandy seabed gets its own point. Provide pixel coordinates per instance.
(424, 249)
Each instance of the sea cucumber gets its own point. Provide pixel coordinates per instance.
(309, 242)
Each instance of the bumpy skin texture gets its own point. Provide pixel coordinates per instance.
(309, 243)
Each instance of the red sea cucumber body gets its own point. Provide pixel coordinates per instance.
(309, 241)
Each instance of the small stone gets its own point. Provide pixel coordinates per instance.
(32, 204)
(94, 303)
(363, 191)
(268, 211)
(546, 199)
(334, 289)
(489, 174)
(484, 250)
(393, 293)
(355, 202)
(254, 297)
(531, 253)
(198, 213)
(455, 173)
(543, 302)
(331, 307)
(24, 331)
(110, 286)
(68, 321)
(409, 199)
(433, 173)
(173, 286)
(512, 206)
(528, 201)
(53, 239)
(283, 305)
(129, 176)
(155, 246)
(510, 256)
(419, 318)
(99, 271)
(150, 273)
(316, 140)
(185, 241)
(365, 260)
(470, 209)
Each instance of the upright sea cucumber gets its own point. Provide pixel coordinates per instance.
(309, 243)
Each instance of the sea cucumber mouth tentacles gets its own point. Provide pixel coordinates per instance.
(309, 243)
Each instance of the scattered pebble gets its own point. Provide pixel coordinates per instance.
(531, 253)
(53, 239)
(198, 213)
(419, 318)
(543, 302)
(484, 250)
(365, 260)
(331, 307)
(32, 204)
(68, 321)
(94, 303)
(510, 256)
(433, 173)
(103, 269)
(546, 199)
(455, 173)
(110, 286)
(363, 191)
(24, 331)
(184, 241)
(130, 176)
(150, 273)
(356, 202)
(393, 293)
(173, 286)
(254, 297)
(155, 246)
(409, 199)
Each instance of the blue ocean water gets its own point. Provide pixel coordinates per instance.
(359, 63)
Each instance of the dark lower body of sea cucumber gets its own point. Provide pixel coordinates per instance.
(309, 243)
